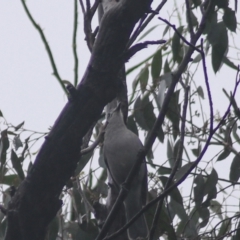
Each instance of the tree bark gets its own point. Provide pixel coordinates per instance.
(36, 201)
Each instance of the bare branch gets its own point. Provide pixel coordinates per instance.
(74, 42)
(48, 49)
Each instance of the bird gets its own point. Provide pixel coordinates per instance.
(121, 147)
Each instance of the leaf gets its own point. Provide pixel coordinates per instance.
(229, 63)
(225, 227)
(19, 126)
(143, 78)
(165, 30)
(17, 143)
(166, 67)
(138, 114)
(222, 3)
(197, 151)
(197, 59)
(211, 21)
(229, 19)
(147, 32)
(10, 180)
(215, 206)
(156, 65)
(165, 82)
(225, 153)
(176, 45)
(164, 224)
(235, 168)
(164, 170)
(53, 229)
(198, 190)
(173, 113)
(82, 162)
(4, 145)
(175, 153)
(197, 2)
(144, 113)
(193, 18)
(16, 163)
(1, 114)
(204, 215)
(211, 182)
(131, 124)
(219, 48)
(182, 171)
(170, 153)
(200, 92)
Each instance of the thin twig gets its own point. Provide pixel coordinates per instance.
(179, 34)
(49, 52)
(74, 43)
(142, 26)
(96, 142)
(82, 7)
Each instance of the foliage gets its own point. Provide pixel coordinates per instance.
(204, 206)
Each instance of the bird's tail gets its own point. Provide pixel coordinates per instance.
(133, 204)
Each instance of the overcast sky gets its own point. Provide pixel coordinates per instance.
(29, 92)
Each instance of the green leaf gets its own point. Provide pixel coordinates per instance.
(166, 67)
(200, 92)
(229, 63)
(176, 45)
(10, 180)
(222, 3)
(170, 153)
(211, 182)
(199, 190)
(164, 224)
(19, 126)
(182, 171)
(194, 20)
(197, 151)
(4, 145)
(16, 163)
(211, 21)
(156, 65)
(225, 153)
(144, 113)
(173, 113)
(197, 2)
(204, 214)
(229, 19)
(225, 227)
(219, 48)
(147, 32)
(143, 78)
(164, 170)
(235, 168)
(131, 124)
(82, 162)
(175, 152)
(215, 206)
(138, 114)
(53, 229)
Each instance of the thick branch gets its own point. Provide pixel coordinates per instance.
(36, 201)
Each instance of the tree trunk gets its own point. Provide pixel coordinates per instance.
(36, 201)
